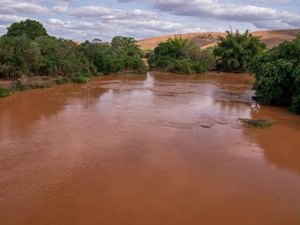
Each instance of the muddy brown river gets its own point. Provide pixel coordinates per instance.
(159, 149)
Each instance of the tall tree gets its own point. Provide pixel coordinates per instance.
(180, 55)
(31, 28)
(125, 45)
(235, 51)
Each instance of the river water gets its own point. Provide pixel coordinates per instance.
(160, 149)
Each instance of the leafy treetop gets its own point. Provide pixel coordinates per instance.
(235, 52)
(31, 28)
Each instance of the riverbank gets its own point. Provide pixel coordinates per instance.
(10, 86)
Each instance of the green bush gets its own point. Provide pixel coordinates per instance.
(207, 59)
(277, 74)
(198, 67)
(122, 54)
(61, 80)
(182, 66)
(235, 52)
(295, 105)
(4, 92)
(80, 79)
(180, 56)
(27, 50)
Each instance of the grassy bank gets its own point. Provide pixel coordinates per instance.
(8, 87)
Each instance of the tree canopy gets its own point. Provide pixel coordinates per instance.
(31, 28)
(235, 52)
(27, 49)
(277, 74)
(180, 56)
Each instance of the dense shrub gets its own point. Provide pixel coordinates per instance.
(277, 73)
(4, 92)
(80, 79)
(61, 80)
(295, 105)
(122, 54)
(235, 52)
(206, 58)
(27, 50)
(180, 56)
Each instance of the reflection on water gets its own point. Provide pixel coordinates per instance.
(155, 149)
(281, 144)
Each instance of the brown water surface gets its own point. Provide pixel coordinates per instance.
(156, 150)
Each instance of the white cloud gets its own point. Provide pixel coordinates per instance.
(7, 19)
(104, 21)
(15, 6)
(261, 17)
(89, 19)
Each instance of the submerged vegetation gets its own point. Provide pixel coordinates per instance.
(259, 123)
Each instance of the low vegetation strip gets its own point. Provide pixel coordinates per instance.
(258, 123)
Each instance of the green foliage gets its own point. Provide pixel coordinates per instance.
(27, 50)
(235, 52)
(180, 56)
(80, 79)
(183, 66)
(43, 56)
(29, 28)
(125, 46)
(207, 58)
(122, 54)
(199, 67)
(18, 55)
(4, 92)
(295, 105)
(61, 80)
(277, 73)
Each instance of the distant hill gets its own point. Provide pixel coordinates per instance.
(208, 39)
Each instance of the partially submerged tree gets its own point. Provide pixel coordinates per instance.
(235, 52)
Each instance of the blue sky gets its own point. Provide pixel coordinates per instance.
(86, 20)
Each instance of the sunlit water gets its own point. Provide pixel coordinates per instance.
(157, 150)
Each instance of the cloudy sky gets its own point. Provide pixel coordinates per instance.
(89, 19)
